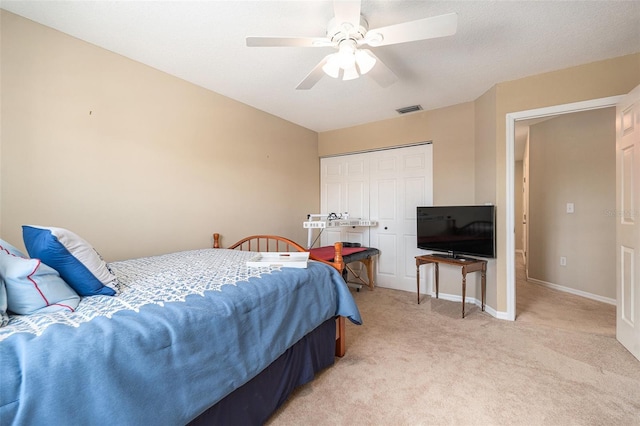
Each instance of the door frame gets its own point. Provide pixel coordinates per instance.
(511, 119)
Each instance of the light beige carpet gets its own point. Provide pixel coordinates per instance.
(413, 364)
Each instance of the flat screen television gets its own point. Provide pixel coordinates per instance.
(457, 230)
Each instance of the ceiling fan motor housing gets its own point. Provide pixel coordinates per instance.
(340, 31)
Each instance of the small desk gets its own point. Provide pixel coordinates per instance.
(467, 264)
(363, 255)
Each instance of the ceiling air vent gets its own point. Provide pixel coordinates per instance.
(412, 108)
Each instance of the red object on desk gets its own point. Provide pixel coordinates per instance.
(326, 253)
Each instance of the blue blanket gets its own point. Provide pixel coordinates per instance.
(184, 331)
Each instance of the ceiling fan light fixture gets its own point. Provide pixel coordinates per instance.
(350, 73)
(365, 61)
(332, 66)
(346, 55)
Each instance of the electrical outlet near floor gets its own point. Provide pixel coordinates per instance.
(563, 261)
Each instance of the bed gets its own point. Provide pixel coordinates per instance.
(191, 337)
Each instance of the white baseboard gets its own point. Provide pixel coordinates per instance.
(573, 291)
(498, 315)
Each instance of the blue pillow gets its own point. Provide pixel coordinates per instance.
(31, 286)
(75, 259)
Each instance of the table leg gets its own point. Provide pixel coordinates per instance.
(484, 285)
(464, 290)
(418, 279)
(369, 264)
(437, 279)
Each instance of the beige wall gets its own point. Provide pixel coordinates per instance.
(525, 199)
(517, 208)
(485, 148)
(450, 129)
(134, 160)
(572, 159)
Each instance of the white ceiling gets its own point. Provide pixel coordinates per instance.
(204, 42)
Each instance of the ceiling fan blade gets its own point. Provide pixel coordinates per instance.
(314, 76)
(380, 72)
(347, 11)
(421, 29)
(288, 42)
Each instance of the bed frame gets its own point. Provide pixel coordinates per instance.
(274, 243)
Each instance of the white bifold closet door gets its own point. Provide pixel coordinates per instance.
(385, 186)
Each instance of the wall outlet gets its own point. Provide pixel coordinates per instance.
(563, 261)
(570, 208)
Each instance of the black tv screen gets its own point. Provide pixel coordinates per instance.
(457, 230)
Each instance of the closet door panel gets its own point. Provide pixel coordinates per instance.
(345, 189)
(334, 196)
(385, 186)
(386, 264)
(401, 180)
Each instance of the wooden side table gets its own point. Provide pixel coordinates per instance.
(467, 265)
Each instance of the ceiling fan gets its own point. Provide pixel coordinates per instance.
(347, 32)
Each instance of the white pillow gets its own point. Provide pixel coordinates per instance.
(31, 286)
(78, 263)
(4, 318)
(7, 248)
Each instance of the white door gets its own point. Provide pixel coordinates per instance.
(627, 215)
(344, 188)
(401, 180)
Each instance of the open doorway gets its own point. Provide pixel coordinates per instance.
(511, 120)
(564, 181)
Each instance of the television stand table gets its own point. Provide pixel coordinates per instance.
(467, 264)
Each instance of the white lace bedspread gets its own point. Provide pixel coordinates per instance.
(158, 279)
